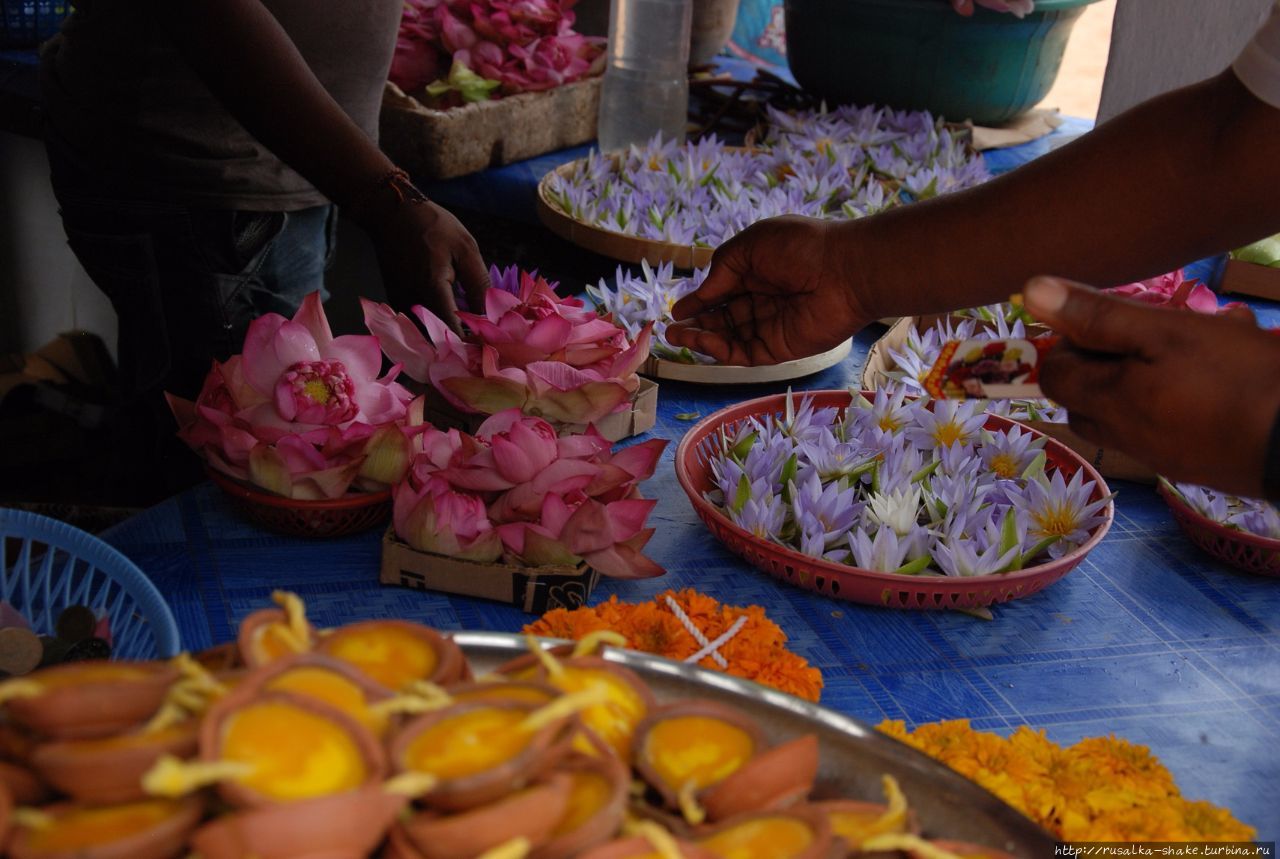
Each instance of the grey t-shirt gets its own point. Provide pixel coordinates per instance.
(129, 107)
(1258, 66)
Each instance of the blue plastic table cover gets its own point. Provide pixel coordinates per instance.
(1148, 639)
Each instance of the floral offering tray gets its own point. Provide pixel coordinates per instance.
(854, 755)
(607, 242)
(723, 374)
(701, 446)
(1109, 463)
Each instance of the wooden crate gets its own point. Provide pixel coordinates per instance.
(442, 144)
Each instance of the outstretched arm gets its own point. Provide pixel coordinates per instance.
(236, 45)
(1182, 176)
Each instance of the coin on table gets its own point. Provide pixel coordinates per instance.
(20, 650)
(76, 623)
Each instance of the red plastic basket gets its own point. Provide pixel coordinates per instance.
(693, 470)
(330, 518)
(1244, 551)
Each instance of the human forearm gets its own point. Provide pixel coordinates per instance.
(1177, 178)
(248, 61)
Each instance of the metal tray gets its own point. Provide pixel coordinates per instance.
(854, 755)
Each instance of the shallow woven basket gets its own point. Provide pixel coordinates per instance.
(1241, 549)
(693, 469)
(337, 517)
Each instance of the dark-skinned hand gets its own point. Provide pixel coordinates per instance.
(422, 249)
(1193, 396)
(772, 295)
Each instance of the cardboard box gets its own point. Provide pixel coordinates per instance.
(535, 590)
(640, 417)
(1109, 462)
(442, 144)
(1249, 278)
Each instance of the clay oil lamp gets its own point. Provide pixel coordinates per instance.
(6, 814)
(86, 700)
(22, 784)
(481, 751)
(110, 770)
(710, 761)
(330, 681)
(396, 653)
(648, 841)
(853, 822)
(793, 834)
(626, 698)
(276, 747)
(530, 814)
(274, 633)
(599, 787)
(150, 829)
(350, 824)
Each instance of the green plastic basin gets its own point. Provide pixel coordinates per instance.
(920, 54)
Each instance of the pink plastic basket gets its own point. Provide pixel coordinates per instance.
(693, 470)
(338, 517)
(1242, 550)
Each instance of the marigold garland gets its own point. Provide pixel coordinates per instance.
(1100, 789)
(757, 652)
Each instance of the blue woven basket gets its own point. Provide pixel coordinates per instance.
(27, 23)
(49, 565)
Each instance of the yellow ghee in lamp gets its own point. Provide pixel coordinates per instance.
(328, 687)
(82, 828)
(615, 720)
(469, 743)
(392, 656)
(775, 837)
(696, 749)
(589, 793)
(295, 753)
(273, 641)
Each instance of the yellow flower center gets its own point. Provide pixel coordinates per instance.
(948, 434)
(1056, 521)
(1005, 465)
(889, 423)
(317, 391)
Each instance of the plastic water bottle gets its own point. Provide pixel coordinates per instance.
(646, 82)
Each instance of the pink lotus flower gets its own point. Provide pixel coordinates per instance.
(1175, 291)
(528, 496)
(300, 412)
(418, 60)
(531, 350)
(435, 518)
(522, 45)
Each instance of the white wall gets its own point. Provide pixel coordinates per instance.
(1159, 45)
(43, 290)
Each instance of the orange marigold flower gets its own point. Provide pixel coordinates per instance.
(1207, 822)
(755, 651)
(652, 630)
(1125, 764)
(1101, 789)
(781, 669)
(563, 623)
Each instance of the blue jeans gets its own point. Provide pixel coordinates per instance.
(186, 282)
